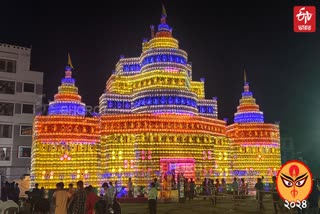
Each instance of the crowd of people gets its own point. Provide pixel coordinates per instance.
(9, 196)
(79, 200)
(211, 187)
(10, 191)
(87, 200)
(240, 189)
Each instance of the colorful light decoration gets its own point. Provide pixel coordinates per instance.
(67, 101)
(254, 141)
(63, 133)
(154, 120)
(65, 157)
(248, 111)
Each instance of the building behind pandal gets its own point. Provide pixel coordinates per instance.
(154, 122)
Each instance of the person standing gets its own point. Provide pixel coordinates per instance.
(60, 197)
(111, 193)
(223, 185)
(216, 191)
(91, 199)
(186, 189)
(211, 188)
(152, 196)
(242, 189)
(116, 205)
(130, 188)
(110, 198)
(36, 195)
(259, 193)
(205, 188)
(16, 193)
(105, 188)
(5, 189)
(192, 189)
(235, 187)
(71, 191)
(79, 198)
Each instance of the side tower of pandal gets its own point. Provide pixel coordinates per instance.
(256, 144)
(65, 142)
(155, 120)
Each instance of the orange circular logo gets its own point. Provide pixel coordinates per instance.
(294, 181)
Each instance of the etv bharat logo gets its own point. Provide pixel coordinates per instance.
(304, 19)
(294, 184)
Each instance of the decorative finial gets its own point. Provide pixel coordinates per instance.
(246, 84)
(68, 68)
(164, 12)
(163, 15)
(69, 61)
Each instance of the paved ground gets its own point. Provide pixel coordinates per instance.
(200, 206)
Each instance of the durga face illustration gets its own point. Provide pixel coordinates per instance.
(294, 181)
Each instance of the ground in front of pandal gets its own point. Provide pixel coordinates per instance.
(198, 205)
(224, 205)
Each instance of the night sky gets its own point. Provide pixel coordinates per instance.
(282, 67)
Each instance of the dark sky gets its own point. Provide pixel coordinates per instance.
(282, 67)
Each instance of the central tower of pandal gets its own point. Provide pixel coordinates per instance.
(154, 122)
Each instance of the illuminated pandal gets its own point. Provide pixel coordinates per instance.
(154, 121)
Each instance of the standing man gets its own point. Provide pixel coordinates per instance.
(79, 198)
(152, 199)
(16, 193)
(130, 188)
(259, 193)
(192, 189)
(235, 187)
(36, 195)
(60, 197)
(71, 191)
(157, 185)
(111, 193)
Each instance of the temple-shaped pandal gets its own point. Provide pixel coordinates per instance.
(154, 122)
(256, 144)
